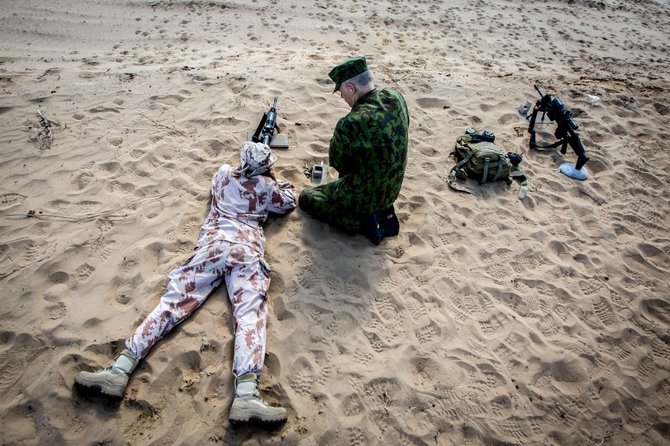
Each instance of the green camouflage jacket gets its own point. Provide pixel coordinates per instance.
(369, 151)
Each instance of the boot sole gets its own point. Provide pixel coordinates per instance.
(253, 416)
(103, 386)
(257, 421)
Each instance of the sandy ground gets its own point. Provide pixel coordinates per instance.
(487, 321)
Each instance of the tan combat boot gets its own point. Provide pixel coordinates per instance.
(112, 380)
(249, 406)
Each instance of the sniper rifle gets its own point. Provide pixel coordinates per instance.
(265, 131)
(565, 127)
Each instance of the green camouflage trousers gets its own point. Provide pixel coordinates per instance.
(321, 204)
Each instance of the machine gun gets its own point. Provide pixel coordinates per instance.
(565, 130)
(267, 129)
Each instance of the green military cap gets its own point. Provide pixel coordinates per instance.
(347, 70)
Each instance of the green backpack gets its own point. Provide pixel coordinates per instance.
(480, 159)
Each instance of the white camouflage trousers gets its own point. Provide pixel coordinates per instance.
(247, 278)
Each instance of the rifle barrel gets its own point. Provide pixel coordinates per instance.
(539, 91)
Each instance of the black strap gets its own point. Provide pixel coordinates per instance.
(533, 144)
(451, 176)
(485, 170)
(500, 168)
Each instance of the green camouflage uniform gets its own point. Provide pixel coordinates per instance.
(369, 151)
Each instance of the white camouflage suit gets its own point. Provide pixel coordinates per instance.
(230, 247)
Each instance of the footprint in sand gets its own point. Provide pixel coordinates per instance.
(548, 326)
(302, 376)
(494, 324)
(11, 368)
(510, 430)
(416, 307)
(187, 227)
(171, 100)
(428, 333)
(126, 289)
(9, 200)
(604, 312)
(649, 370)
(82, 180)
(379, 393)
(59, 277)
(17, 351)
(356, 436)
(375, 342)
(386, 322)
(429, 102)
(136, 154)
(352, 405)
(104, 225)
(84, 272)
(395, 280)
(101, 109)
(341, 324)
(362, 357)
(57, 311)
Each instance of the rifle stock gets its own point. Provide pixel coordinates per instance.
(577, 147)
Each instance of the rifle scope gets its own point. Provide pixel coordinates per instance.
(559, 107)
(270, 123)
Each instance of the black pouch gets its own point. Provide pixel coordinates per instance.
(391, 224)
(372, 228)
(381, 224)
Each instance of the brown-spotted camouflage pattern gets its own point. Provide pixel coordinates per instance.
(369, 151)
(230, 248)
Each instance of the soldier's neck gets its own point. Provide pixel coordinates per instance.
(362, 93)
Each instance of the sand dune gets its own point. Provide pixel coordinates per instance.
(487, 321)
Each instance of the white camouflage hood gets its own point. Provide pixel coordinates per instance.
(255, 158)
